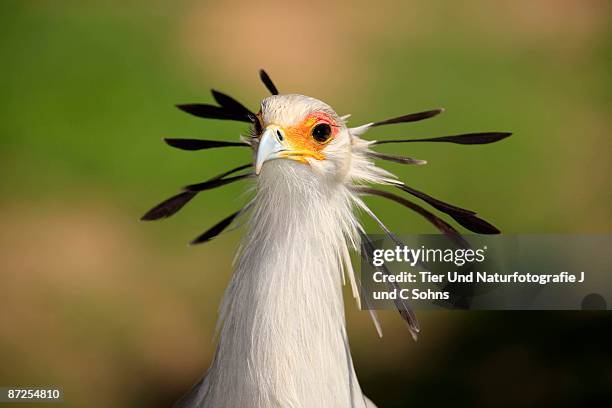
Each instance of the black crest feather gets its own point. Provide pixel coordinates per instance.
(232, 104)
(213, 183)
(396, 159)
(466, 218)
(168, 207)
(215, 230)
(464, 139)
(200, 144)
(203, 110)
(436, 221)
(265, 78)
(402, 306)
(411, 117)
(173, 204)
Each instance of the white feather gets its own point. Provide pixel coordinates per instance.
(282, 329)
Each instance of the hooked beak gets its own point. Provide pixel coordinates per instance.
(274, 145)
(271, 146)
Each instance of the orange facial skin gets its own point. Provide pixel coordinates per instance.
(300, 137)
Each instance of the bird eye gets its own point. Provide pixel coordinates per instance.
(321, 132)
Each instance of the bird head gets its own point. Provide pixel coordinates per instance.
(298, 135)
(294, 130)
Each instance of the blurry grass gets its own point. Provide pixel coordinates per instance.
(88, 99)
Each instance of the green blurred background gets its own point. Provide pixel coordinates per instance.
(122, 313)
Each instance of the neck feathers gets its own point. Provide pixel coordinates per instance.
(282, 337)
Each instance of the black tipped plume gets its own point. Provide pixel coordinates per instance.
(466, 218)
(265, 78)
(173, 204)
(231, 104)
(436, 221)
(169, 207)
(402, 306)
(215, 229)
(199, 144)
(465, 139)
(210, 184)
(411, 117)
(202, 110)
(396, 159)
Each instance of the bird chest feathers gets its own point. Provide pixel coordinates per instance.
(283, 338)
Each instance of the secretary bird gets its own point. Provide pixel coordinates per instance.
(282, 329)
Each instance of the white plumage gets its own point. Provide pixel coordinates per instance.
(282, 330)
(283, 340)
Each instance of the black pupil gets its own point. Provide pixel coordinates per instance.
(321, 132)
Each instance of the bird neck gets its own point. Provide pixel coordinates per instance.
(283, 337)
